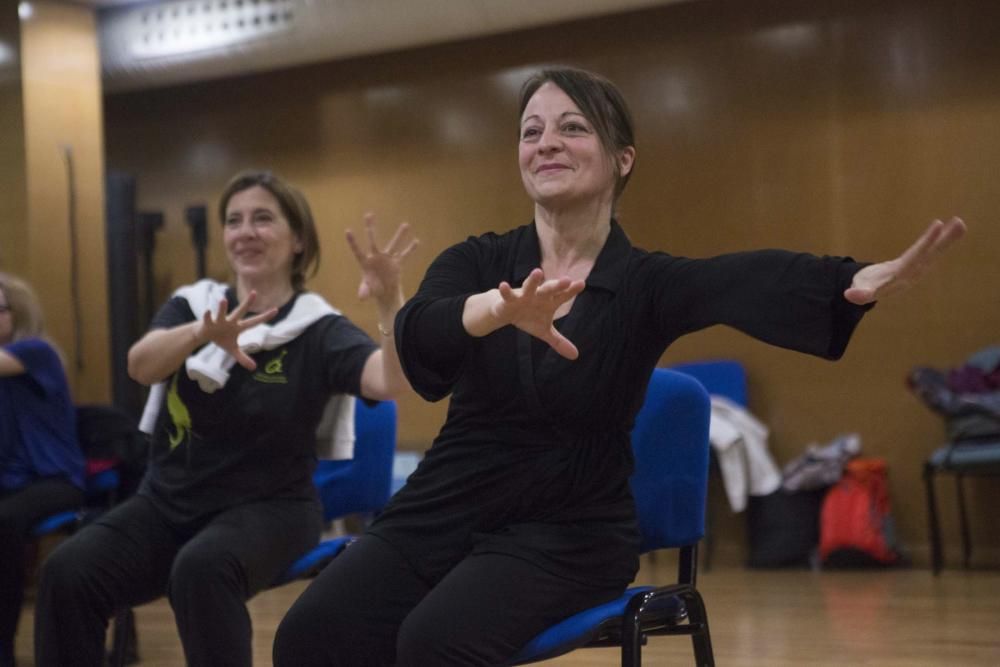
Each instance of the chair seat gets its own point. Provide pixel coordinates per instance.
(54, 523)
(590, 625)
(103, 481)
(315, 560)
(97, 483)
(977, 457)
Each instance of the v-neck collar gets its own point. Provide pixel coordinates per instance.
(607, 274)
(608, 270)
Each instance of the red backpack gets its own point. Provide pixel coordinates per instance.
(856, 528)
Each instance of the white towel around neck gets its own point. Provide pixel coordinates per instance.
(210, 366)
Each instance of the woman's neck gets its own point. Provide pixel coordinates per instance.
(571, 240)
(269, 295)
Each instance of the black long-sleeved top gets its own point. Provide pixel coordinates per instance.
(534, 457)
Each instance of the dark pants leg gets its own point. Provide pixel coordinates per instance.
(350, 614)
(121, 560)
(236, 555)
(20, 511)
(487, 608)
(370, 608)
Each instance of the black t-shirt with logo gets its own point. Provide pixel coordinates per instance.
(254, 438)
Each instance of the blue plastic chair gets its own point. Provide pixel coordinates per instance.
(99, 486)
(95, 424)
(726, 378)
(360, 485)
(720, 377)
(670, 443)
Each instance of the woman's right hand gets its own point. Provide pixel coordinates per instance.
(224, 328)
(533, 306)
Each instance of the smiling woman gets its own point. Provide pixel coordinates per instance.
(266, 222)
(545, 337)
(228, 502)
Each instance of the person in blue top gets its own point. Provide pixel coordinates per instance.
(41, 464)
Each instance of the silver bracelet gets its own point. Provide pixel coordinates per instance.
(382, 330)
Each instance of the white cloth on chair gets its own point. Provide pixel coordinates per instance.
(740, 443)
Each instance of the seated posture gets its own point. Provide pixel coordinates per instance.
(545, 337)
(41, 464)
(242, 376)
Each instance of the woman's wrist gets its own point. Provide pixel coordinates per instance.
(478, 316)
(386, 317)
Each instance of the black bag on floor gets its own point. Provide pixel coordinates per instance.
(783, 528)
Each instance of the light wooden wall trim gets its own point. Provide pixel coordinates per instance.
(13, 194)
(63, 115)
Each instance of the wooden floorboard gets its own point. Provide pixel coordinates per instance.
(891, 618)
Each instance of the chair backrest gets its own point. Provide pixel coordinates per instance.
(720, 377)
(670, 442)
(361, 484)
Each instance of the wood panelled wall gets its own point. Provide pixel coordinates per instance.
(52, 119)
(835, 127)
(13, 205)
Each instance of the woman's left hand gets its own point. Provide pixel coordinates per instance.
(877, 281)
(380, 269)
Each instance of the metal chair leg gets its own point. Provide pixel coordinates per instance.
(631, 641)
(933, 526)
(708, 540)
(701, 638)
(963, 519)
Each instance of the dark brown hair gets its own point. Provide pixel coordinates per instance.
(294, 207)
(601, 103)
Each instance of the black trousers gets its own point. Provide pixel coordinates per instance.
(20, 511)
(133, 555)
(369, 607)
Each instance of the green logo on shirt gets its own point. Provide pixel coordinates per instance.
(179, 415)
(274, 371)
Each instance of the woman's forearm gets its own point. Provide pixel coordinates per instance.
(162, 351)
(477, 316)
(382, 377)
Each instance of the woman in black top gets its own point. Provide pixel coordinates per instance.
(545, 337)
(228, 501)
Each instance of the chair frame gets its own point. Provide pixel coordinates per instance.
(960, 470)
(646, 611)
(638, 623)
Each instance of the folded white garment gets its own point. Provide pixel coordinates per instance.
(740, 443)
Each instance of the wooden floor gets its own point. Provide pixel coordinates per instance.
(758, 619)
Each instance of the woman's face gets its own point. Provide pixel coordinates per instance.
(561, 157)
(6, 320)
(259, 242)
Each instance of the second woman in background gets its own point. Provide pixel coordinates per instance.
(228, 502)
(41, 465)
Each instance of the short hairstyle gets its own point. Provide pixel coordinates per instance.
(294, 207)
(601, 103)
(25, 310)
